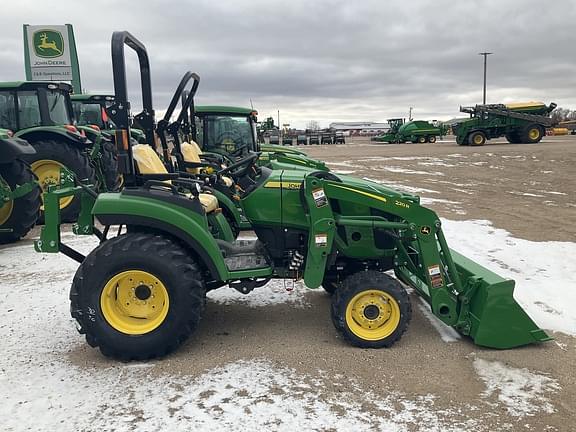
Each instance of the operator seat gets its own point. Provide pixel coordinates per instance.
(191, 153)
(149, 162)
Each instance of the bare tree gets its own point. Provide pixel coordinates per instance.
(563, 114)
(313, 125)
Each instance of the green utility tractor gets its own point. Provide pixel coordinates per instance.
(90, 110)
(40, 113)
(140, 294)
(231, 132)
(518, 122)
(19, 193)
(415, 131)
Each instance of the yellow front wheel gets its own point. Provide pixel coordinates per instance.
(371, 310)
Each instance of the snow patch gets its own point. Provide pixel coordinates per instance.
(543, 271)
(447, 334)
(521, 391)
(274, 292)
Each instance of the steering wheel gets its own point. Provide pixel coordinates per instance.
(240, 168)
(238, 151)
(226, 135)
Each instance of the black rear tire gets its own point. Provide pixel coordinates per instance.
(157, 255)
(532, 134)
(432, 139)
(380, 285)
(421, 140)
(109, 159)
(24, 210)
(73, 159)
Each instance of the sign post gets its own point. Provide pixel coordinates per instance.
(50, 54)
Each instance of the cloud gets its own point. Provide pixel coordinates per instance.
(324, 60)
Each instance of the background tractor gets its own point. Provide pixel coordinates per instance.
(90, 110)
(415, 131)
(518, 122)
(140, 294)
(19, 193)
(40, 112)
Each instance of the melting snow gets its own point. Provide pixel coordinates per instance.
(543, 271)
(521, 391)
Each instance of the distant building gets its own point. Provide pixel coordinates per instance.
(360, 128)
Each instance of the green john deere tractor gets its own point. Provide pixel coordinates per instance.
(40, 113)
(19, 193)
(231, 132)
(90, 110)
(140, 294)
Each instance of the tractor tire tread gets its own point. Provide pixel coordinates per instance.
(356, 283)
(26, 208)
(186, 281)
(71, 157)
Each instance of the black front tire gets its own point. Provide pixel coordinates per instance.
(477, 138)
(370, 281)
(24, 210)
(73, 159)
(158, 255)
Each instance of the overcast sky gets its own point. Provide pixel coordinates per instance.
(323, 60)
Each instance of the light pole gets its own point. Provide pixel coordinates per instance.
(485, 54)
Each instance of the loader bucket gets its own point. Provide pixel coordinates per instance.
(496, 319)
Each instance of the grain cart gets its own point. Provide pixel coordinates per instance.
(339, 139)
(40, 112)
(519, 123)
(141, 294)
(19, 193)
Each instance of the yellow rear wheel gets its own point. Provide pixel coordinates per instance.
(48, 173)
(7, 207)
(534, 134)
(134, 302)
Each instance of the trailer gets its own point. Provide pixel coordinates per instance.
(518, 122)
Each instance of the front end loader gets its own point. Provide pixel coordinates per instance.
(141, 293)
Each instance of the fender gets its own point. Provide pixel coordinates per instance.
(230, 206)
(13, 148)
(54, 133)
(180, 217)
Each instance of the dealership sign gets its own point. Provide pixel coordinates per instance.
(50, 54)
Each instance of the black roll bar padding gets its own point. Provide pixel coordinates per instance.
(120, 110)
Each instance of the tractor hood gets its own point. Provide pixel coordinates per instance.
(280, 149)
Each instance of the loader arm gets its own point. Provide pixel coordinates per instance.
(462, 294)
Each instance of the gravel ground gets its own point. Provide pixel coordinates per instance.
(272, 359)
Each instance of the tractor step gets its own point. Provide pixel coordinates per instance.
(243, 254)
(246, 262)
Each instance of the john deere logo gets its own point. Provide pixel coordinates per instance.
(48, 43)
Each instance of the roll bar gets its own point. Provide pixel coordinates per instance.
(120, 110)
(165, 126)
